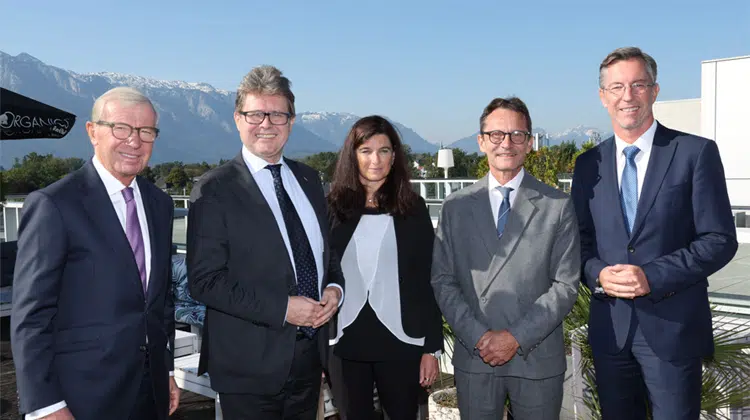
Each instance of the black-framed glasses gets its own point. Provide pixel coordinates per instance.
(122, 131)
(516, 136)
(257, 117)
(637, 88)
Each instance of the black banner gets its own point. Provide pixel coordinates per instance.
(25, 118)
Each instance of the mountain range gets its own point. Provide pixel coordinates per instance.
(579, 135)
(194, 118)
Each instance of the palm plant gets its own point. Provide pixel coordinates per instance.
(726, 375)
(450, 339)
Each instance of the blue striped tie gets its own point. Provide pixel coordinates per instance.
(629, 187)
(502, 213)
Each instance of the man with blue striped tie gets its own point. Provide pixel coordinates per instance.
(655, 222)
(505, 273)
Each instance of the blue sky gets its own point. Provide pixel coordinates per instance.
(431, 65)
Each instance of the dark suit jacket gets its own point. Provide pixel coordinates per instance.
(80, 317)
(683, 232)
(238, 266)
(420, 315)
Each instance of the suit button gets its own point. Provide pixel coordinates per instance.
(142, 348)
(484, 300)
(631, 249)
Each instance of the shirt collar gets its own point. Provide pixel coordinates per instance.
(513, 183)
(644, 142)
(255, 163)
(112, 184)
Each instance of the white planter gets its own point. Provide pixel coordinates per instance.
(439, 412)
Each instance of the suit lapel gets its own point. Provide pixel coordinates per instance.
(313, 196)
(251, 197)
(318, 203)
(481, 212)
(662, 152)
(150, 209)
(610, 186)
(521, 212)
(98, 206)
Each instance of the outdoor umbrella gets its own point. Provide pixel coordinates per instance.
(24, 118)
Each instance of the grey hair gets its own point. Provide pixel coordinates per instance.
(123, 95)
(627, 53)
(267, 81)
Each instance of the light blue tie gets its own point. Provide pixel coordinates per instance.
(502, 213)
(629, 187)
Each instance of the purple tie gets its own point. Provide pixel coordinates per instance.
(133, 232)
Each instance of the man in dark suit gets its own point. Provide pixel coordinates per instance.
(258, 257)
(655, 222)
(92, 327)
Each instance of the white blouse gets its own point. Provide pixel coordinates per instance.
(370, 267)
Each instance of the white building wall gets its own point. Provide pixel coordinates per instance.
(722, 113)
(683, 115)
(725, 113)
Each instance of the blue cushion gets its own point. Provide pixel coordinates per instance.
(187, 310)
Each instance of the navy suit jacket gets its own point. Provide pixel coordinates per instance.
(683, 232)
(80, 318)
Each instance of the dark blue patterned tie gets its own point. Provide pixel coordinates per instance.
(504, 210)
(629, 187)
(304, 261)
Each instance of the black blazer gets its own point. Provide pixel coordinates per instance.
(420, 315)
(80, 318)
(238, 266)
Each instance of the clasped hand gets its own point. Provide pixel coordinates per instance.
(497, 347)
(305, 312)
(624, 281)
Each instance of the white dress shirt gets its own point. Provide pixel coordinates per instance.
(114, 190)
(645, 142)
(264, 179)
(496, 197)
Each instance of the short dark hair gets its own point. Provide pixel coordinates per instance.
(627, 53)
(347, 196)
(512, 103)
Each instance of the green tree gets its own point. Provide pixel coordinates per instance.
(464, 165)
(177, 178)
(324, 163)
(482, 168)
(584, 147)
(35, 171)
(163, 170)
(148, 173)
(543, 165)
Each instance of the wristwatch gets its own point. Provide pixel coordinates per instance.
(437, 354)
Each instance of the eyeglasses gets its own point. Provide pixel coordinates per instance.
(497, 136)
(122, 131)
(257, 117)
(636, 88)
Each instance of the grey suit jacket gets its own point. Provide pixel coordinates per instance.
(525, 282)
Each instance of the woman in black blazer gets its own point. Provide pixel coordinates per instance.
(389, 328)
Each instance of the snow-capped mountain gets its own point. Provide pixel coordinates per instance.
(579, 134)
(195, 118)
(469, 143)
(334, 126)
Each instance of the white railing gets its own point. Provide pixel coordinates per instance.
(438, 189)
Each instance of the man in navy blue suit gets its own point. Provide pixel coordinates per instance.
(655, 222)
(92, 327)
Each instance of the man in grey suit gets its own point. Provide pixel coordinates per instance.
(505, 273)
